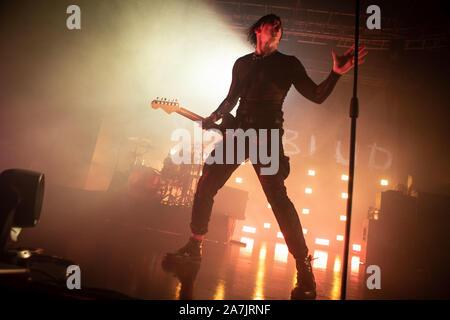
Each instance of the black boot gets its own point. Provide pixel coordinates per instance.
(192, 249)
(306, 284)
(185, 264)
(188, 254)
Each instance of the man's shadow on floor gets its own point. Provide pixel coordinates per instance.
(186, 271)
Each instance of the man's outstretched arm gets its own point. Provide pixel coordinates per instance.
(318, 93)
(308, 88)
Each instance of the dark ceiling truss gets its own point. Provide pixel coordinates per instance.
(335, 28)
(327, 27)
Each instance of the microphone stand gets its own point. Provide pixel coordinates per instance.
(354, 110)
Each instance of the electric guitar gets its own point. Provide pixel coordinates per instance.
(170, 106)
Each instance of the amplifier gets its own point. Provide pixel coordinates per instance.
(231, 202)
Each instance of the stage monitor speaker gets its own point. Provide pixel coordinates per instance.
(29, 186)
(433, 245)
(9, 199)
(410, 243)
(391, 245)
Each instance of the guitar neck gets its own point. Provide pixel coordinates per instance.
(190, 115)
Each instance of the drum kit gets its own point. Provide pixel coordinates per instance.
(173, 185)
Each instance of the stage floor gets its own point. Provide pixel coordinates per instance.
(119, 252)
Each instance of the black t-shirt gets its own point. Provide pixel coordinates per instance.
(263, 82)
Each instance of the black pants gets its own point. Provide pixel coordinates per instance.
(214, 176)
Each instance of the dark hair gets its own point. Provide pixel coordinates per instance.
(270, 18)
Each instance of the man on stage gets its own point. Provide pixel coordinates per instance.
(261, 81)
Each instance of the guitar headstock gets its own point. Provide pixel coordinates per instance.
(168, 106)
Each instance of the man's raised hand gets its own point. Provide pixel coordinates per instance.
(341, 64)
